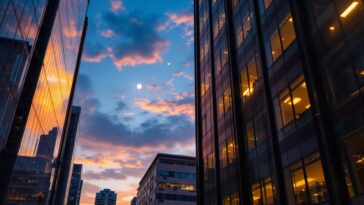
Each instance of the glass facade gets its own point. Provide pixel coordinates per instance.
(280, 101)
(34, 171)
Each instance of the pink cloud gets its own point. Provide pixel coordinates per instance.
(108, 33)
(117, 5)
(167, 108)
(184, 75)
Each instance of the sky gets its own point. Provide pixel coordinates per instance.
(136, 90)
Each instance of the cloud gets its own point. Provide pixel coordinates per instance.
(88, 192)
(120, 106)
(95, 53)
(184, 75)
(137, 39)
(152, 86)
(168, 108)
(107, 33)
(117, 5)
(106, 174)
(184, 19)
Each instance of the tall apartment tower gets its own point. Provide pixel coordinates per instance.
(75, 190)
(47, 38)
(105, 197)
(280, 101)
(170, 179)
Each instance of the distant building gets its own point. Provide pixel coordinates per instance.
(75, 190)
(32, 175)
(67, 158)
(170, 179)
(105, 197)
(133, 201)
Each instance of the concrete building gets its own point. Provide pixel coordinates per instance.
(279, 101)
(105, 197)
(170, 179)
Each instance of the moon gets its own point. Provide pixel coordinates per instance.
(139, 86)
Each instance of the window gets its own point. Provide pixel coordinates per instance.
(255, 132)
(249, 79)
(227, 152)
(231, 199)
(288, 34)
(225, 102)
(262, 192)
(264, 5)
(355, 152)
(243, 29)
(293, 102)
(235, 2)
(308, 181)
(280, 39)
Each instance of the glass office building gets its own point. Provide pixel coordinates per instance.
(47, 37)
(280, 102)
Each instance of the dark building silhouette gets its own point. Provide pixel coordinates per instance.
(170, 179)
(13, 54)
(47, 144)
(280, 104)
(32, 175)
(67, 157)
(75, 190)
(105, 197)
(52, 35)
(133, 201)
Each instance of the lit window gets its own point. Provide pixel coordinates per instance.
(281, 39)
(244, 29)
(308, 180)
(249, 78)
(293, 102)
(262, 192)
(227, 152)
(231, 199)
(288, 34)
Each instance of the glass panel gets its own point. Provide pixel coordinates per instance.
(354, 146)
(244, 83)
(223, 155)
(300, 99)
(288, 34)
(286, 107)
(268, 192)
(276, 49)
(227, 99)
(231, 150)
(250, 135)
(247, 25)
(299, 185)
(235, 199)
(257, 196)
(253, 75)
(316, 182)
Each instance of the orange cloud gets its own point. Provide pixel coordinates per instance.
(184, 18)
(184, 75)
(167, 108)
(94, 59)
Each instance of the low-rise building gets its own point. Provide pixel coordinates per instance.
(170, 179)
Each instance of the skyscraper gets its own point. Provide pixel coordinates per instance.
(170, 179)
(75, 189)
(54, 31)
(13, 54)
(105, 197)
(280, 104)
(66, 158)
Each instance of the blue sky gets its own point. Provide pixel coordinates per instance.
(132, 42)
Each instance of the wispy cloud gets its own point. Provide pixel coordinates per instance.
(167, 108)
(117, 5)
